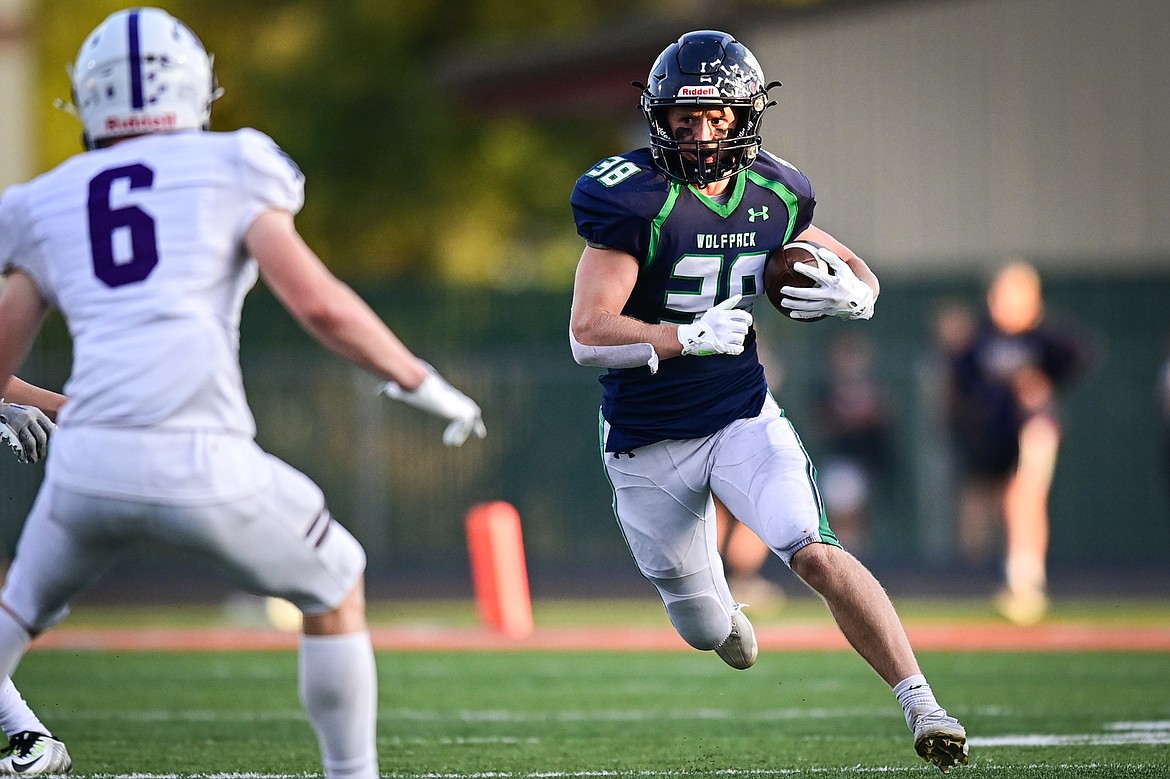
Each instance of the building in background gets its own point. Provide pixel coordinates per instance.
(16, 89)
(955, 131)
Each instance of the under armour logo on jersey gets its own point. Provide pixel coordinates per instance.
(760, 213)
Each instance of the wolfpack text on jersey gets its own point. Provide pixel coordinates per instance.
(694, 252)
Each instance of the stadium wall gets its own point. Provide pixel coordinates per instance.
(979, 129)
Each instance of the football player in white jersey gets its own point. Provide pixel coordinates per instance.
(147, 244)
(26, 421)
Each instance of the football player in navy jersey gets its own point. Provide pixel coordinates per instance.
(676, 239)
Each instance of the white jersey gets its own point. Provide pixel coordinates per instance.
(140, 247)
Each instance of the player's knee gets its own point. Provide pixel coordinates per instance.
(702, 621)
(816, 563)
(349, 617)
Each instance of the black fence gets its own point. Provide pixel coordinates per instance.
(391, 481)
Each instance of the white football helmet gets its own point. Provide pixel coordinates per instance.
(142, 71)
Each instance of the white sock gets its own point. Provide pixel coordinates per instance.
(1024, 574)
(338, 685)
(15, 715)
(916, 697)
(14, 712)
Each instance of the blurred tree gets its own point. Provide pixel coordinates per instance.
(404, 178)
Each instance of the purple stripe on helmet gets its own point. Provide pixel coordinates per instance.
(136, 100)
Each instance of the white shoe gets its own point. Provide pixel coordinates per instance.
(1022, 607)
(739, 650)
(29, 752)
(940, 739)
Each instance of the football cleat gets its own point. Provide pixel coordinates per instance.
(939, 739)
(29, 752)
(739, 649)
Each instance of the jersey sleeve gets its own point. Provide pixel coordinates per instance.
(804, 209)
(606, 216)
(8, 237)
(268, 176)
(11, 235)
(17, 252)
(792, 179)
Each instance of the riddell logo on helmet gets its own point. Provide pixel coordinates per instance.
(141, 123)
(699, 92)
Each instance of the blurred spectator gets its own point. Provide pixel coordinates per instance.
(936, 479)
(744, 555)
(1007, 431)
(852, 412)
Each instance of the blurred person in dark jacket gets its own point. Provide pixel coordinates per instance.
(1008, 431)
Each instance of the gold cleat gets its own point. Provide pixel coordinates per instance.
(941, 741)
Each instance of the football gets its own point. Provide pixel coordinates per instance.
(778, 272)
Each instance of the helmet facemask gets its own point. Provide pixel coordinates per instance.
(703, 162)
(706, 70)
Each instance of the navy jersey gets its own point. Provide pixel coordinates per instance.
(988, 415)
(693, 253)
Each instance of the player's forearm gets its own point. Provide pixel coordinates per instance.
(326, 307)
(602, 329)
(603, 283)
(859, 266)
(862, 271)
(21, 312)
(347, 326)
(19, 391)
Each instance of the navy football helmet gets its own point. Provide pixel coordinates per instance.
(706, 68)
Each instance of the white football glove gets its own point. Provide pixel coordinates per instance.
(26, 430)
(839, 293)
(438, 397)
(721, 330)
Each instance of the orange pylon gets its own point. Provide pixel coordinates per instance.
(498, 570)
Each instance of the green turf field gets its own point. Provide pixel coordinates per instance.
(569, 714)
